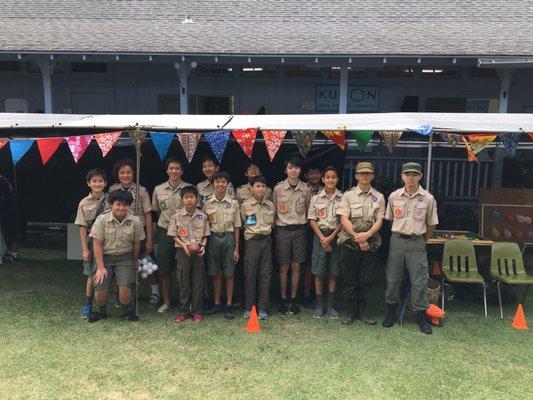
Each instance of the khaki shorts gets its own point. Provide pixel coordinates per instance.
(118, 267)
(220, 254)
(322, 263)
(291, 244)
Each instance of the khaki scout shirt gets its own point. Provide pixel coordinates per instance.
(323, 209)
(315, 189)
(189, 228)
(117, 237)
(244, 192)
(291, 204)
(145, 205)
(257, 217)
(411, 215)
(88, 208)
(206, 189)
(223, 215)
(167, 200)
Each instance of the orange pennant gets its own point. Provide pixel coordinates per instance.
(273, 141)
(337, 137)
(106, 141)
(470, 154)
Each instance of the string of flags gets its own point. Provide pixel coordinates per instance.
(246, 138)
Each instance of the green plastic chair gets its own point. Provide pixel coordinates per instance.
(459, 265)
(507, 265)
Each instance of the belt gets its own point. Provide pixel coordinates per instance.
(260, 237)
(293, 227)
(221, 234)
(403, 236)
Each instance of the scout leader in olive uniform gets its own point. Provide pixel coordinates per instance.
(189, 226)
(291, 198)
(124, 174)
(89, 208)
(223, 246)
(244, 192)
(166, 201)
(257, 218)
(362, 211)
(117, 236)
(413, 212)
(325, 223)
(205, 188)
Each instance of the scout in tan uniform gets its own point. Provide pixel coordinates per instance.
(223, 246)
(244, 192)
(117, 236)
(124, 174)
(166, 201)
(205, 188)
(362, 211)
(291, 198)
(88, 209)
(413, 212)
(257, 218)
(189, 226)
(325, 223)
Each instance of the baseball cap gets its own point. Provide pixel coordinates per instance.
(412, 167)
(364, 166)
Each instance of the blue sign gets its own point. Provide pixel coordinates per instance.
(359, 99)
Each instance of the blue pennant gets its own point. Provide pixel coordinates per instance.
(19, 148)
(162, 142)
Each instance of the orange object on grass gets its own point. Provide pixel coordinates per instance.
(519, 321)
(253, 322)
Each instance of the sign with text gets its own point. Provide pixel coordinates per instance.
(360, 98)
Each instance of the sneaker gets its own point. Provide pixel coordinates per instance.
(217, 308)
(130, 316)
(117, 303)
(263, 315)
(198, 317)
(228, 312)
(333, 314)
(282, 307)
(95, 317)
(155, 300)
(308, 302)
(247, 313)
(318, 312)
(8, 257)
(181, 318)
(163, 309)
(293, 308)
(86, 311)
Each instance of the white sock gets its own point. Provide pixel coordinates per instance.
(155, 289)
(15, 254)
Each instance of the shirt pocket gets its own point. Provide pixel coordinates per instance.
(300, 206)
(269, 217)
(321, 210)
(163, 201)
(228, 215)
(128, 234)
(283, 205)
(398, 208)
(420, 213)
(198, 230)
(356, 211)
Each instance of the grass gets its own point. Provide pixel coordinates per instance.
(48, 352)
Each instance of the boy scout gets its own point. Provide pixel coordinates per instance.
(244, 192)
(205, 188)
(189, 226)
(291, 198)
(166, 200)
(325, 223)
(223, 247)
(88, 209)
(258, 217)
(362, 211)
(117, 236)
(413, 212)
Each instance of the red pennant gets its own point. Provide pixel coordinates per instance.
(47, 147)
(337, 137)
(529, 134)
(246, 138)
(106, 141)
(3, 142)
(273, 140)
(78, 145)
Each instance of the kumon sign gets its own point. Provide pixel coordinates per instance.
(360, 98)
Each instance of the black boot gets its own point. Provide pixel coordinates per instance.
(362, 315)
(423, 323)
(391, 316)
(351, 316)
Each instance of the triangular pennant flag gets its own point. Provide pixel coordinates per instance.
(106, 141)
(3, 142)
(452, 138)
(510, 142)
(19, 148)
(47, 147)
(162, 142)
(529, 134)
(362, 138)
(304, 141)
(391, 138)
(246, 138)
(78, 145)
(469, 153)
(479, 141)
(189, 142)
(218, 141)
(337, 137)
(273, 141)
(137, 136)
(424, 130)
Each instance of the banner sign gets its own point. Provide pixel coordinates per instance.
(360, 98)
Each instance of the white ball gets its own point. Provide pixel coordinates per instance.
(139, 269)
(150, 270)
(144, 260)
(154, 267)
(144, 275)
(149, 264)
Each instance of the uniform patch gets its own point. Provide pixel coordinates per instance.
(163, 205)
(398, 212)
(268, 208)
(183, 232)
(338, 198)
(212, 218)
(128, 223)
(227, 206)
(200, 217)
(282, 208)
(420, 199)
(374, 199)
(321, 213)
(303, 195)
(251, 220)
(419, 212)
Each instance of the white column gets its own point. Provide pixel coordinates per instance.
(46, 71)
(343, 90)
(183, 73)
(504, 89)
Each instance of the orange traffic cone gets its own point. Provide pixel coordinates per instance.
(253, 322)
(519, 321)
(436, 269)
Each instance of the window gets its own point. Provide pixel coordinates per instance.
(483, 73)
(353, 73)
(394, 72)
(214, 70)
(89, 67)
(259, 71)
(59, 67)
(440, 72)
(9, 66)
(302, 71)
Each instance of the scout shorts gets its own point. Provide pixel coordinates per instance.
(118, 267)
(322, 263)
(220, 254)
(291, 244)
(166, 251)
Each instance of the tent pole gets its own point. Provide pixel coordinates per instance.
(137, 202)
(428, 167)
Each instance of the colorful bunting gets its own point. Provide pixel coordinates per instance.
(78, 145)
(337, 137)
(273, 141)
(424, 130)
(469, 152)
(3, 142)
(391, 138)
(218, 141)
(137, 136)
(510, 142)
(19, 148)
(452, 138)
(246, 139)
(529, 134)
(304, 141)
(479, 141)
(362, 138)
(189, 142)
(47, 147)
(106, 141)
(162, 142)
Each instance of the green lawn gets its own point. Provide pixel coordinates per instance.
(48, 352)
